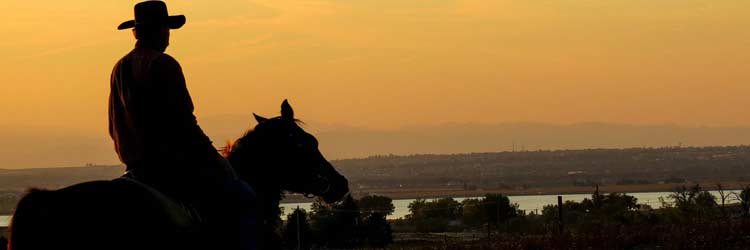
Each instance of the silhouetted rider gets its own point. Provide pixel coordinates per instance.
(156, 134)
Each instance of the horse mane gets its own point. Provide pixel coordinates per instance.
(230, 146)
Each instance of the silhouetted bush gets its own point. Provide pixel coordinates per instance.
(336, 226)
(344, 225)
(744, 198)
(297, 227)
(493, 210)
(375, 204)
(3, 243)
(434, 216)
(591, 215)
(376, 230)
(498, 209)
(473, 214)
(689, 203)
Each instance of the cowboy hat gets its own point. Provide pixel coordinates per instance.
(153, 12)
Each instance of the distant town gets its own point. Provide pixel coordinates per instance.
(462, 175)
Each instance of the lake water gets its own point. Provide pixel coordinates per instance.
(4, 220)
(529, 203)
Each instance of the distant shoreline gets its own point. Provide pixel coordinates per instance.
(414, 193)
(427, 193)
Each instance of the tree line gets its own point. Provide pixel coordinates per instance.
(352, 223)
(690, 217)
(362, 223)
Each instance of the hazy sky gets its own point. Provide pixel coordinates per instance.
(394, 63)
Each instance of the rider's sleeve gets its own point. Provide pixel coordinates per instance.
(179, 107)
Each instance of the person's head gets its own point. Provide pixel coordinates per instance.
(156, 35)
(152, 23)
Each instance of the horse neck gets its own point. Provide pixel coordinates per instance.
(249, 162)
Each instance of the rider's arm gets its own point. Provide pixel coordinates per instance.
(179, 107)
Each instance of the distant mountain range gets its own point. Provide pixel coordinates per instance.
(56, 147)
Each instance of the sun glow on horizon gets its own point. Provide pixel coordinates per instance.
(390, 64)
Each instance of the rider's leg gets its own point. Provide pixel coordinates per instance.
(229, 209)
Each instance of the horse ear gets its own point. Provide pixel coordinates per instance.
(286, 110)
(259, 118)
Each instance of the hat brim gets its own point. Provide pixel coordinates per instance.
(173, 22)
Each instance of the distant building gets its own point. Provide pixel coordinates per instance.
(576, 172)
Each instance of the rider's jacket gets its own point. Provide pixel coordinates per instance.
(151, 112)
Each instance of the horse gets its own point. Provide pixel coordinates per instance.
(263, 158)
(277, 155)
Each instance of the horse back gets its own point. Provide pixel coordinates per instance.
(115, 214)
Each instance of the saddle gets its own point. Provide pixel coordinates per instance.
(182, 216)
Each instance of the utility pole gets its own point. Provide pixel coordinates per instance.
(497, 205)
(560, 213)
(299, 244)
(487, 202)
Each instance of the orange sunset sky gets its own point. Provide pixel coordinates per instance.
(394, 63)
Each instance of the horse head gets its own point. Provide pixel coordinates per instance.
(289, 156)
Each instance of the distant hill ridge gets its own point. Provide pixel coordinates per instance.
(551, 168)
(55, 147)
(22, 179)
(466, 138)
(507, 167)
